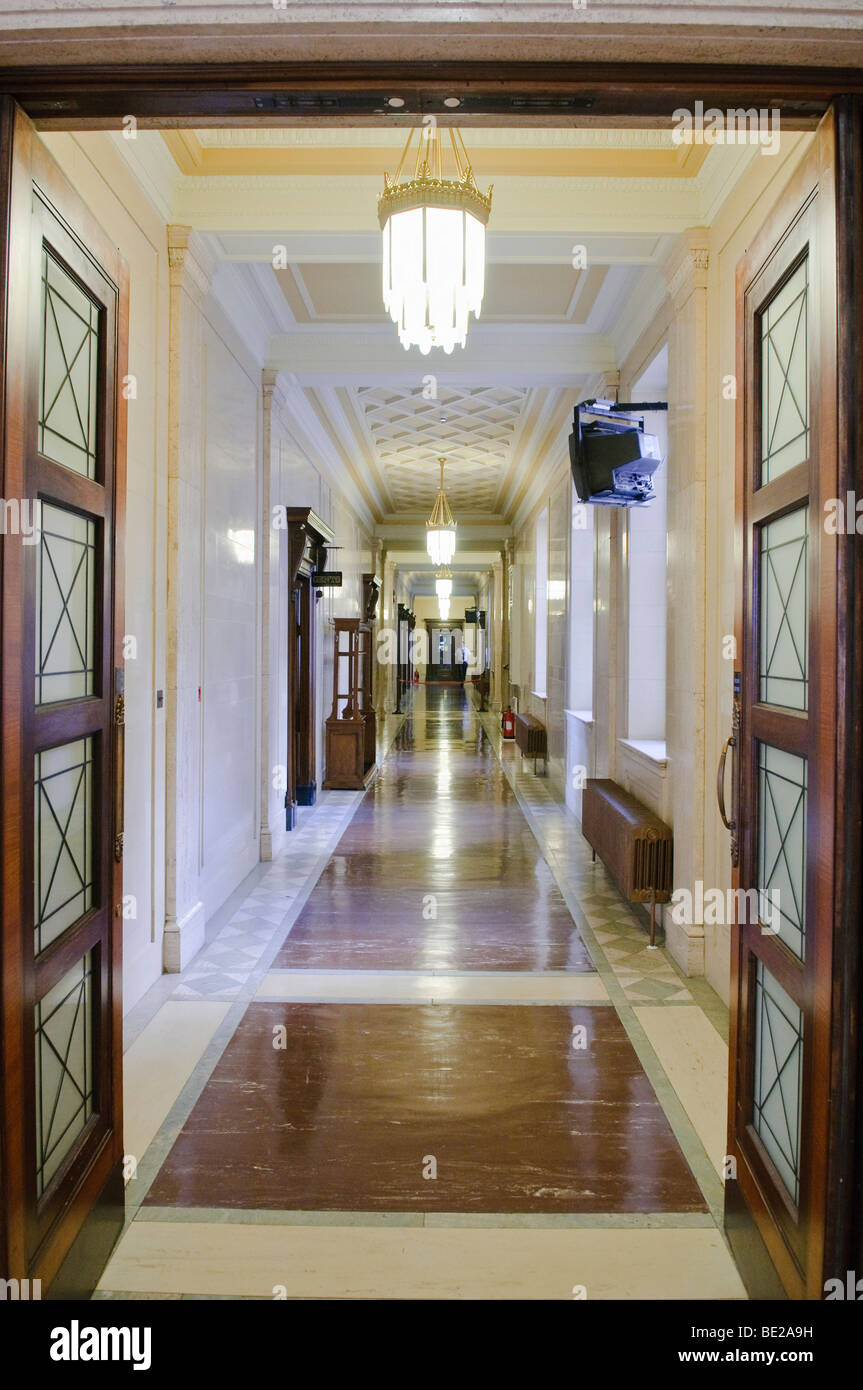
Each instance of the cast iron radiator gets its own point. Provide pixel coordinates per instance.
(635, 846)
(530, 738)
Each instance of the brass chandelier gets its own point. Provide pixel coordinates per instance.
(433, 232)
(440, 527)
(443, 582)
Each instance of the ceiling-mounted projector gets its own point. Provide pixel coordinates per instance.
(613, 459)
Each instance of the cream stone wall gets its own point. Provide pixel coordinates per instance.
(557, 497)
(230, 616)
(294, 480)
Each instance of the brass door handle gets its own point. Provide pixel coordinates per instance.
(730, 825)
(720, 782)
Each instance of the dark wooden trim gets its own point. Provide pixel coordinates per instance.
(90, 1249)
(751, 1254)
(80, 96)
(844, 1222)
(305, 712)
(11, 1255)
(307, 537)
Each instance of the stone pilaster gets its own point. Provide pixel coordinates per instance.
(496, 617)
(508, 562)
(270, 612)
(686, 274)
(190, 271)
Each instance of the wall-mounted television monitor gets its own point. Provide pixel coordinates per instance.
(612, 456)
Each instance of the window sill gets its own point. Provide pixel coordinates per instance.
(653, 750)
(584, 716)
(539, 695)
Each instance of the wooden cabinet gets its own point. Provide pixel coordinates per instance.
(351, 730)
(308, 537)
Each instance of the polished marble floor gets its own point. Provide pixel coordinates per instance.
(438, 869)
(433, 1011)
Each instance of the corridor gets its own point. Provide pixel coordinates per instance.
(431, 612)
(408, 1026)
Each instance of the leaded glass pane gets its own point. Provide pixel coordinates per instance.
(784, 618)
(69, 375)
(782, 841)
(64, 1068)
(778, 1077)
(65, 613)
(785, 377)
(63, 831)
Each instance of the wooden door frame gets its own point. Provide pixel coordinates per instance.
(98, 96)
(843, 1235)
(65, 1248)
(81, 97)
(831, 1226)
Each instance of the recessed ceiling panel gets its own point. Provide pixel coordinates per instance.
(473, 428)
(350, 293)
(533, 293)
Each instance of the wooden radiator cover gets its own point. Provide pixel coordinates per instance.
(530, 736)
(635, 846)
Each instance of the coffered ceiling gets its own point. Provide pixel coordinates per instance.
(473, 428)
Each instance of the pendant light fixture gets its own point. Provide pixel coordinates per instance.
(440, 527)
(443, 582)
(443, 608)
(433, 244)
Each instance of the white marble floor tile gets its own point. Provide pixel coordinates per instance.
(356, 1262)
(695, 1060)
(158, 1064)
(415, 987)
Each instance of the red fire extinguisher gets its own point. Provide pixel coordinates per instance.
(508, 724)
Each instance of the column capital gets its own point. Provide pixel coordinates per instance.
(686, 267)
(272, 388)
(610, 385)
(191, 267)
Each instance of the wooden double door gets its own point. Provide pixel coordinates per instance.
(445, 647)
(63, 712)
(792, 1167)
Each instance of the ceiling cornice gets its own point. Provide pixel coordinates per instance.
(302, 422)
(550, 355)
(153, 168)
(327, 404)
(274, 152)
